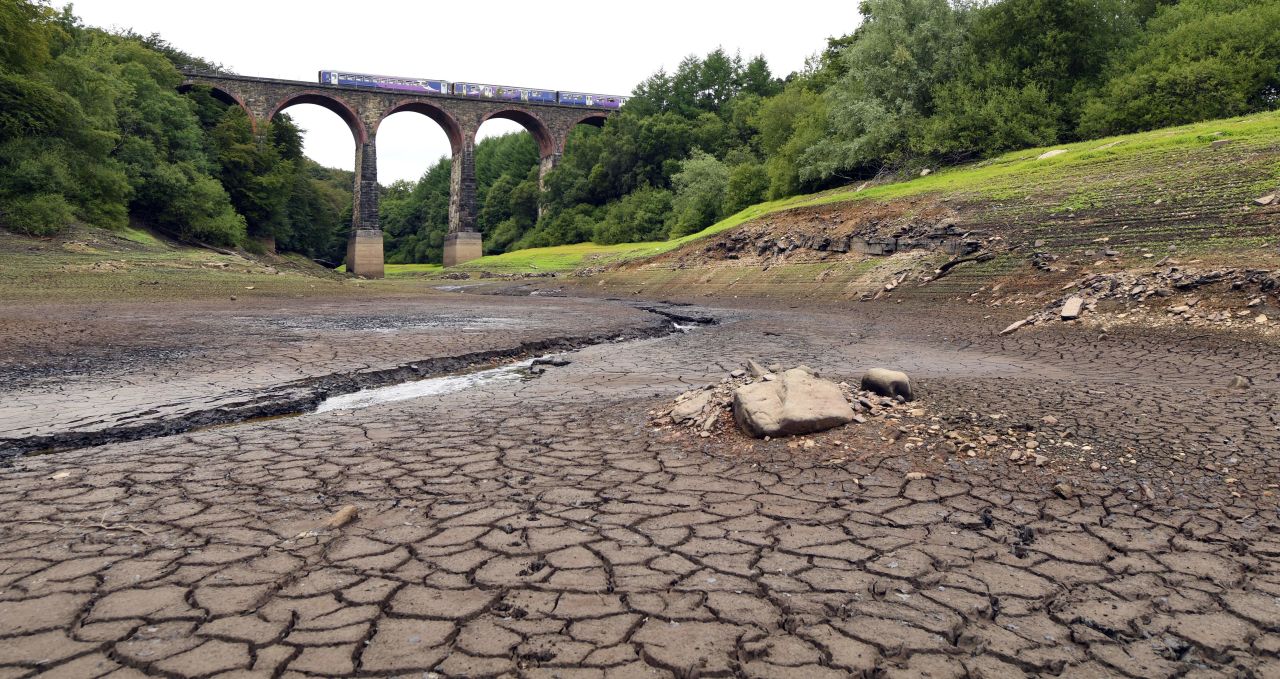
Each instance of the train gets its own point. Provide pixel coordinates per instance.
(472, 90)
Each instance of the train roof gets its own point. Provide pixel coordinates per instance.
(375, 75)
(509, 87)
(595, 94)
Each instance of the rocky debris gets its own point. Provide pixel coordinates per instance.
(1082, 296)
(456, 276)
(690, 405)
(1266, 200)
(796, 403)
(510, 276)
(809, 235)
(889, 383)
(775, 402)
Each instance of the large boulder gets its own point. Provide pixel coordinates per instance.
(794, 403)
(888, 383)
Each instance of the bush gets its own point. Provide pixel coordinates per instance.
(984, 122)
(639, 216)
(1199, 59)
(748, 184)
(700, 187)
(41, 214)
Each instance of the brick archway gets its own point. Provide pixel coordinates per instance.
(594, 119)
(327, 101)
(452, 129)
(547, 143)
(225, 96)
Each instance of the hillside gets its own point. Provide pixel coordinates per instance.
(84, 264)
(1177, 197)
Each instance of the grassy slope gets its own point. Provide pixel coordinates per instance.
(1010, 177)
(94, 265)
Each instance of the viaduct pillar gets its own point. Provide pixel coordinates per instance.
(364, 244)
(463, 243)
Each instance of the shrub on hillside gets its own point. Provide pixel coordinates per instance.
(1198, 60)
(40, 214)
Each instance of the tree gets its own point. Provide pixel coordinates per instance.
(700, 187)
(1054, 49)
(748, 184)
(642, 215)
(787, 125)
(901, 53)
(1198, 59)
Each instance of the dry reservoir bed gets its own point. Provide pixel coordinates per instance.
(544, 527)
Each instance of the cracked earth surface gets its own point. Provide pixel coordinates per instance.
(543, 529)
(98, 367)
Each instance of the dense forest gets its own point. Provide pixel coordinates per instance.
(91, 129)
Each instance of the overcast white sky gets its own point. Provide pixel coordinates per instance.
(604, 47)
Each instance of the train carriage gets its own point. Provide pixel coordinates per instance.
(472, 90)
(591, 100)
(504, 92)
(385, 82)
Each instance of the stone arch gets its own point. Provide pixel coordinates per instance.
(448, 123)
(593, 118)
(328, 101)
(548, 145)
(223, 95)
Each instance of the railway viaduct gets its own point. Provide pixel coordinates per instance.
(364, 109)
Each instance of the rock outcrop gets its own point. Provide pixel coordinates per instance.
(794, 403)
(889, 383)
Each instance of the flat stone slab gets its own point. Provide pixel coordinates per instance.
(1072, 308)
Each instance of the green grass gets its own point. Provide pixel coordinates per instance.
(1014, 174)
(561, 258)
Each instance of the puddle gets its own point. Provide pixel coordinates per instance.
(431, 386)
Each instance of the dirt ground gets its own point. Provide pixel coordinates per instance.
(545, 528)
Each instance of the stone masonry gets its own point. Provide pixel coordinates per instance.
(364, 109)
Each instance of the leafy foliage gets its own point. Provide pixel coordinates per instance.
(93, 129)
(1198, 60)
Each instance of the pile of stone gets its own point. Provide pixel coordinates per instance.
(1082, 296)
(773, 401)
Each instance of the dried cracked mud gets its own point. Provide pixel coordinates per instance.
(543, 528)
